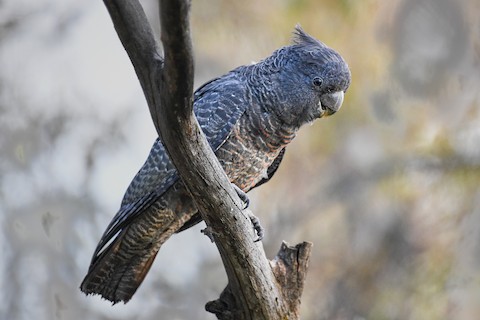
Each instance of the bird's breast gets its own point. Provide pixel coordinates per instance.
(247, 154)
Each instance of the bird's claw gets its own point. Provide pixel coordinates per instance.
(255, 221)
(242, 195)
(258, 227)
(208, 232)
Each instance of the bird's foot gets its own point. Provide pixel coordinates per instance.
(208, 232)
(258, 227)
(242, 195)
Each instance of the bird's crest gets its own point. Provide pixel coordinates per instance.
(300, 37)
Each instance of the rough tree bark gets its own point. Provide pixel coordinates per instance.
(257, 288)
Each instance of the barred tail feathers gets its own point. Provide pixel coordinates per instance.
(120, 269)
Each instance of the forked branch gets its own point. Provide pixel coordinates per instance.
(257, 288)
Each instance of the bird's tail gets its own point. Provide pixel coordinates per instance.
(119, 269)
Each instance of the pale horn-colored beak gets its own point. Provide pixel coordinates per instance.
(331, 102)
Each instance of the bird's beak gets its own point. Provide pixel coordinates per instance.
(331, 103)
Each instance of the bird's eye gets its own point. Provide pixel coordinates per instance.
(317, 81)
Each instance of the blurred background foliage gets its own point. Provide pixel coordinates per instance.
(387, 189)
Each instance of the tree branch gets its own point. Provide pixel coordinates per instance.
(178, 73)
(256, 289)
(137, 38)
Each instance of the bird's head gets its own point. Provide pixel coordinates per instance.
(312, 80)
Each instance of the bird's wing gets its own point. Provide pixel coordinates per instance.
(154, 178)
(218, 105)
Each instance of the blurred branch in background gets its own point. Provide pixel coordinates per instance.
(395, 208)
